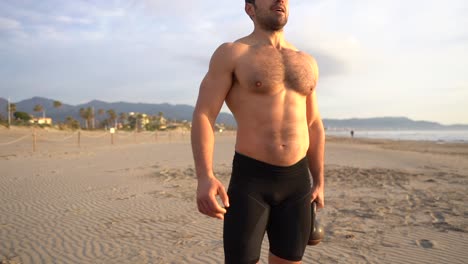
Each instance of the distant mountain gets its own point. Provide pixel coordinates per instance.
(184, 112)
(385, 123)
(3, 104)
(3, 107)
(170, 111)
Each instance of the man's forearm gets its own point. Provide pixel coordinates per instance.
(316, 152)
(202, 145)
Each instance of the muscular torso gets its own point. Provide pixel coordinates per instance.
(268, 100)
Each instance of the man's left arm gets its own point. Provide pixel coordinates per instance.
(316, 150)
(315, 156)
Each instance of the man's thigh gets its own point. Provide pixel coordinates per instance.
(244, 228)
(289, 227)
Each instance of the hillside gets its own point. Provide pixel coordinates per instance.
(386, 123)
(170, 111)
(184, 112)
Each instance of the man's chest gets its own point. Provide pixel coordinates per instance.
(266, 71)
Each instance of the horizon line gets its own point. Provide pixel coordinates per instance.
(228, 112)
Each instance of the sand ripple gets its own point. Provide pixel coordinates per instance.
(115, 206)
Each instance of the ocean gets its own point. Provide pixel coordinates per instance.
(452, 136)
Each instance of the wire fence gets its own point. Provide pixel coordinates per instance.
(14, 141)
(40, 139)
(61, 139)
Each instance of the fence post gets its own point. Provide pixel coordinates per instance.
(79, 138)
(34, 139)
(112, 132)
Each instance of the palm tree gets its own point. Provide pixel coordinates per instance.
(72, 123)
(69, 119)
(112, 117)
(139, 123)
(83, 116)
(100, 113)
(39, 108)
(12, 109)
(87, 115)
(122, 117)
(161, 121)
(57, 104)
(90, 111)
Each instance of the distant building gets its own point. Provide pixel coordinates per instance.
(41, 120)
(144, 120)
(219, 127)
(141, 120)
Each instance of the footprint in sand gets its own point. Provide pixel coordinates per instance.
(437, 217)
(126, 197)
(424, 243)
(9, 260)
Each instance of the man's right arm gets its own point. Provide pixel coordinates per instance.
(213, 91)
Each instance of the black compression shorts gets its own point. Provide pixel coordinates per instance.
(264, 197)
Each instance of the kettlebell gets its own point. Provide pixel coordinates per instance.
(316, 229)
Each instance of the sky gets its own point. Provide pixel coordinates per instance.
(376, 57)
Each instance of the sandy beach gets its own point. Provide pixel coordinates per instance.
(80, 199)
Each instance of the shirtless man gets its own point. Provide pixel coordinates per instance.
(269, 86)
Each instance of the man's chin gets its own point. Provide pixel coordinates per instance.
(274, 27)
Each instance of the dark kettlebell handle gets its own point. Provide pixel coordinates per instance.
(316, 231)
(314, 213)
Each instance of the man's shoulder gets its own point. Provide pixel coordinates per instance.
(311, 61)
(233, 49)
(306, 56)
(244, 41)
(239, 44)
(301, 52)
(227, 55)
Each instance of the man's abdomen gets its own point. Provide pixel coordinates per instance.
(281, 148)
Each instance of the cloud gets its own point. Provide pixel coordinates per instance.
(73, 20)
(9, 24)
(369, 52)
(391, 57)
(337, 52)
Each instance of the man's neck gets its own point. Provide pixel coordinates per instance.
(273, 38)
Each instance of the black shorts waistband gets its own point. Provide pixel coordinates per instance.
(246, 165)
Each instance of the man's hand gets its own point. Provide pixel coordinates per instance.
(207, 191)
(317, 196)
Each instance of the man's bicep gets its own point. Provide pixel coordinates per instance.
(312, 105)
(312, 108)
(213, 92)
(217, 82)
